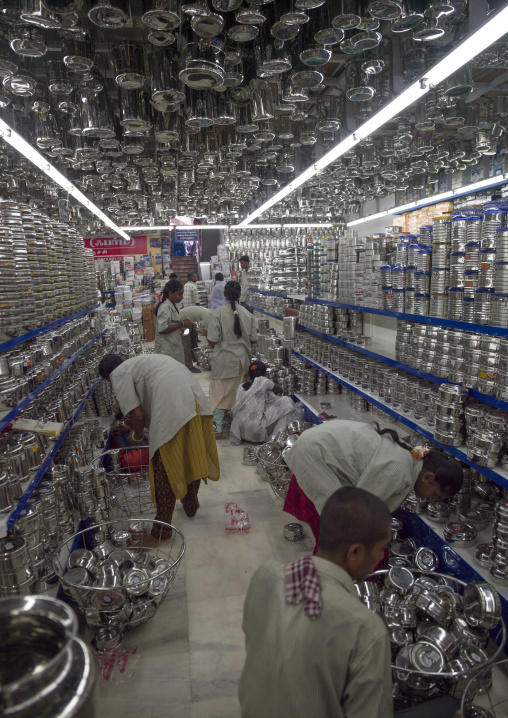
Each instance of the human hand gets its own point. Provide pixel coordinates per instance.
(457, 714)
(187, 323)
(120, 429)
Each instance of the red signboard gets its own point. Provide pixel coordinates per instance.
(116, 246)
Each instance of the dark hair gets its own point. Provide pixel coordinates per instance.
(256, 369)
(219, 277)
(172, 286)
(447, 470)
(244, 258)
(190, 275)
(232, 292)
(173, 275)
(350, 516)
(108, 364)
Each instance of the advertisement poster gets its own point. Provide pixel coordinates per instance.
(116, 246)
(155, 242)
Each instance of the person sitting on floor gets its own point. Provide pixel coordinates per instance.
(260, 410)
(313, 648)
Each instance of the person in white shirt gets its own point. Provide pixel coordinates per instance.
(190, 340)
(159, 394)
(314, 650)
(169, 323)
(190, 290)
(231, 333)
(217, 298)
(244, 278)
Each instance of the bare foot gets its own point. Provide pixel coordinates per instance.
(219, 436)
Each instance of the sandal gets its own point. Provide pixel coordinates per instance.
(195, 370)
(219, 436)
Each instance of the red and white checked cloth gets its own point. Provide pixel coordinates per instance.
(302, 584)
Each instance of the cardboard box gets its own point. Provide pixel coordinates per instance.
(148, 325)
(149, 335)
(147, 313)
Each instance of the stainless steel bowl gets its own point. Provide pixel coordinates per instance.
(482, 606)
(293, 532)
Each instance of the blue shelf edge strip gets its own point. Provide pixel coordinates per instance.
(49, 458)
(262, 311)
(405, 367)
(35, 393)
(10, 343)
(419, 318)
(461, 455)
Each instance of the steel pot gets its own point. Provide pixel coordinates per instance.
(50, 671)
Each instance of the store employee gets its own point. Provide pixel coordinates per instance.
(350, 453)
(168, 337)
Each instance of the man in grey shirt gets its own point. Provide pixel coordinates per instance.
(244, 278)
(313, 648)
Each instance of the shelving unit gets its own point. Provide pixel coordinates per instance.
(405, 367)
(10, 343)
(459, 561)
(49, 457)
(13, 413)
(434, 321)
(262, 311)
(499, 475)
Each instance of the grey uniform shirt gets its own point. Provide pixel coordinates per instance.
(349, 453)
(196, 314)
(166, 391)
(333, 666)
(230, 350)
(169, 344)
(244, 283)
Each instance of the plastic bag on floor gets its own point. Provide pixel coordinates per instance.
(237, 519)
(119, 664)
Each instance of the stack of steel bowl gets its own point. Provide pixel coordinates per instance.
(60, 476)
(16, 572)
(488, 365)
(499, 311)
(461, 501)
(502, 377)
(499, 555)
(92, 494)
(450, 414)
(104, 399)
(484, 447)
(457, 266)
(472, 355)
(320, 386)
(440, 279)
(308, 380)
(422, 277)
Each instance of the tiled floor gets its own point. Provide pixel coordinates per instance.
(191, 653)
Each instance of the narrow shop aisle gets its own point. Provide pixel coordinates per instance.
(192, 652)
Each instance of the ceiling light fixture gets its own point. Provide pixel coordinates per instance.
(442, 197)
(492, 31)
(154, 228)
(21, 145)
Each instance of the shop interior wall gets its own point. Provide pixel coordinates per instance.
(209, 241)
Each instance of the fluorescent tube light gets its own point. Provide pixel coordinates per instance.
(492, 31)
(154, 228)
(368, 219)
(442, 197)
(36, 158)
(314, 225)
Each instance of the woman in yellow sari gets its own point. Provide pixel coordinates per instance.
(159, 393)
